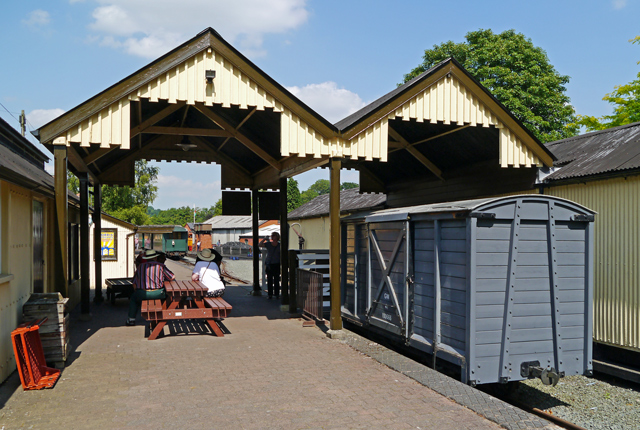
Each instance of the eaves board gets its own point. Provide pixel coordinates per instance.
(179, 77)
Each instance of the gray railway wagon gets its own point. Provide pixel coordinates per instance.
(501, 287)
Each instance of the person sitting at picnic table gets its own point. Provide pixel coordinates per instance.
(207, 271)
(272, 262)
(148, 282)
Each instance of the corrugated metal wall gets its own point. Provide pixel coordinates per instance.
(616, 299)
(121, 268)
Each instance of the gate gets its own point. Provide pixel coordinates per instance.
(388, 271)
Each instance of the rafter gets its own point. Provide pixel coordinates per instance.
(186, 131)
(255, 148)
(98, 154)
(417, 154)
(76, 161)
(154, 119)
(245, 119)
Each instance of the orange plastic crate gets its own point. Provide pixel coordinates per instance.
(34, 374)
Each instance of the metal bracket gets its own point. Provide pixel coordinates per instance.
(482, 215)
(583, 218)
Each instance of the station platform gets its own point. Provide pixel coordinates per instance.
(267, 372)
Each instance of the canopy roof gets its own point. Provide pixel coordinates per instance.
(206, 102)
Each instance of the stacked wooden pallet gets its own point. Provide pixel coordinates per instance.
(54, 333)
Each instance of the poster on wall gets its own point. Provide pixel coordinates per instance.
(109, 244)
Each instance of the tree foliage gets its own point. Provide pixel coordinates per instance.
(518, 74)
(626, 105)
(183, 215)
(348, 185)
(130, 204)
(321, 186)
(293, 194)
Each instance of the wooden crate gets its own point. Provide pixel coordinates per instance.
(54, 333)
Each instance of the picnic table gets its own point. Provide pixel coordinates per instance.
(119, 287)
(185, 300)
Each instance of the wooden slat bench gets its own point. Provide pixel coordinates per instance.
(185, 300)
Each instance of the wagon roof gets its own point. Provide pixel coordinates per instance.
(458, 206)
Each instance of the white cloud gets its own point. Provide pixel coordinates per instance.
(175, 192)
(619, 4)
(40, 117)
(151, 29)
(328, 100)
(37, 19)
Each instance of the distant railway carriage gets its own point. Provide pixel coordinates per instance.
(170, 239)
(501, 287)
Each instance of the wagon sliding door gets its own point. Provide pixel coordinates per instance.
(388, 269)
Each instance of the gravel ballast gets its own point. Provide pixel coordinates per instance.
(592, 403)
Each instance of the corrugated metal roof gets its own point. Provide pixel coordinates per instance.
(350, 200)
(222, 222)
(262, 232)
(21, 162)
(613, 150)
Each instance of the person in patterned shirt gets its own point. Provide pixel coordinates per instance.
(148, 282)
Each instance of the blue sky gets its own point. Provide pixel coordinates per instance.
(334, 55)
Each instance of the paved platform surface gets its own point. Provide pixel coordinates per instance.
(268, 373)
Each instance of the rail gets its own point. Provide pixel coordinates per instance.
(309, 293)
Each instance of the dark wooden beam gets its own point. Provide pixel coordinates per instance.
(78, 163)
(251, 145)
(140, 128)
(257, 291)
(417, 154)
(98, 154)
(185, 131)
(97, 241)
(85, 273)
(284, 243)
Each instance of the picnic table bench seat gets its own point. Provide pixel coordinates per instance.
(185, 300)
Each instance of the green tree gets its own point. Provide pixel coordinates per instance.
(321, 186)
(217, 208)
(293, 194)
(626, 105)
(307, 196)
(348, 185)
(73, 183)
(518, 74)
(116, 199)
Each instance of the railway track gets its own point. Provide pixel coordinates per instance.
(223, 271)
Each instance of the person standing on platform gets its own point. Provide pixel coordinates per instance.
(148, 282)
(272, 262)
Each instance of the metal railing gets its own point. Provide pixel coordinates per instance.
(309, 293)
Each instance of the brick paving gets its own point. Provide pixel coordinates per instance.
(268, 373)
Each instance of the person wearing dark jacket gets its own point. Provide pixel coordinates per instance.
(272, 262)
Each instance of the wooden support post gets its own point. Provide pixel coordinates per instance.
(97, 241)
(284, 243)
(61, 253)
(257, 291)
(85, 274)
(293, 284)
(334, 244)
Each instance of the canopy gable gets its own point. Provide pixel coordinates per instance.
(446, 94)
